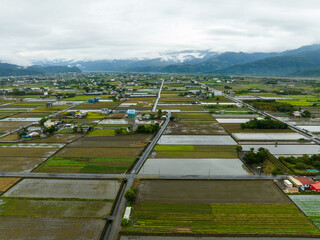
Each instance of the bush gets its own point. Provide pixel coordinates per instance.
(277, 171)
(124, 222)
(130, 196)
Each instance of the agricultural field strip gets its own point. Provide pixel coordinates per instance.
(31, 145)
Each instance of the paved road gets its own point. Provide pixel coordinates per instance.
(63, 175)
(293, 127)
(114, 226)
(159, 95)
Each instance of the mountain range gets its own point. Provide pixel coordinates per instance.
(304, 61)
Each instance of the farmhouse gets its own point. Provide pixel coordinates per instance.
(302, 182)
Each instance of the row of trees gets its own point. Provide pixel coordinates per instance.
(267, 123)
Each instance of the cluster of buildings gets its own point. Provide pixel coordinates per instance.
(297, 184)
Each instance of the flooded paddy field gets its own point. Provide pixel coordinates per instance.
(202, 167)
(208, 192)
(56, 188)
(23, 228)
(268, 136)
(189, 128)
(196, 140)
(286, 150)
(232, 120)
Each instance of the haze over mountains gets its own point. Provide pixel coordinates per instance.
(304, 61)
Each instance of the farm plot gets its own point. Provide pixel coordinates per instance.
(134, 237)
(50, 228)
(208, 207)
(209, 192)
(196, 140)
(268, 136)
(86, 165)
(286, 150)
(27, 152)
(19, 164)
(88, 106)
(202, 167)
(232, 120)
(7, 182)
(220, 218)
(192, 107)
(189, 128)
(57, 188)
(194, 117)
(20, 207)
(236, 128)
(310, 205)
(120, 141)
(114, 152)
(194, 151)
(57, 138)
(8, 126)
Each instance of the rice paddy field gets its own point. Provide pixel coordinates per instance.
(196, 140)
(209, 207)
(56, 209)
(194, 151)
(190, 128)
(97, 153)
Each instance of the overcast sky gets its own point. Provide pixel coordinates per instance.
(108, 29)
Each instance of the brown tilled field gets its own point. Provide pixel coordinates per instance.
(19, 164)
(189, 128)
(99, 152)
(6, 183)
(209, 192)
(25, 228)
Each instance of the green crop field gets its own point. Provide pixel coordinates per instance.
(194, 151)
(310, 205)
(219, 218)
(86, 165)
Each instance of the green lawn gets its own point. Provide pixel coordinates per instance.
(219, 218)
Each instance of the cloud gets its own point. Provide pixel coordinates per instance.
(106, 29)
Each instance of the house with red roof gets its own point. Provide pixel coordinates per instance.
(315, 187)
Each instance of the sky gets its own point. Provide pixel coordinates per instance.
(117, 29)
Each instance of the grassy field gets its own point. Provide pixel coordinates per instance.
(219, 218)
(194, 151)
(28, 207)
(86, 165)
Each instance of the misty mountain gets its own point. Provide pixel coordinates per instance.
(286, 64)
(15, 70)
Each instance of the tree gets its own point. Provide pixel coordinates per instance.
(238, 148)
(130, 196)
